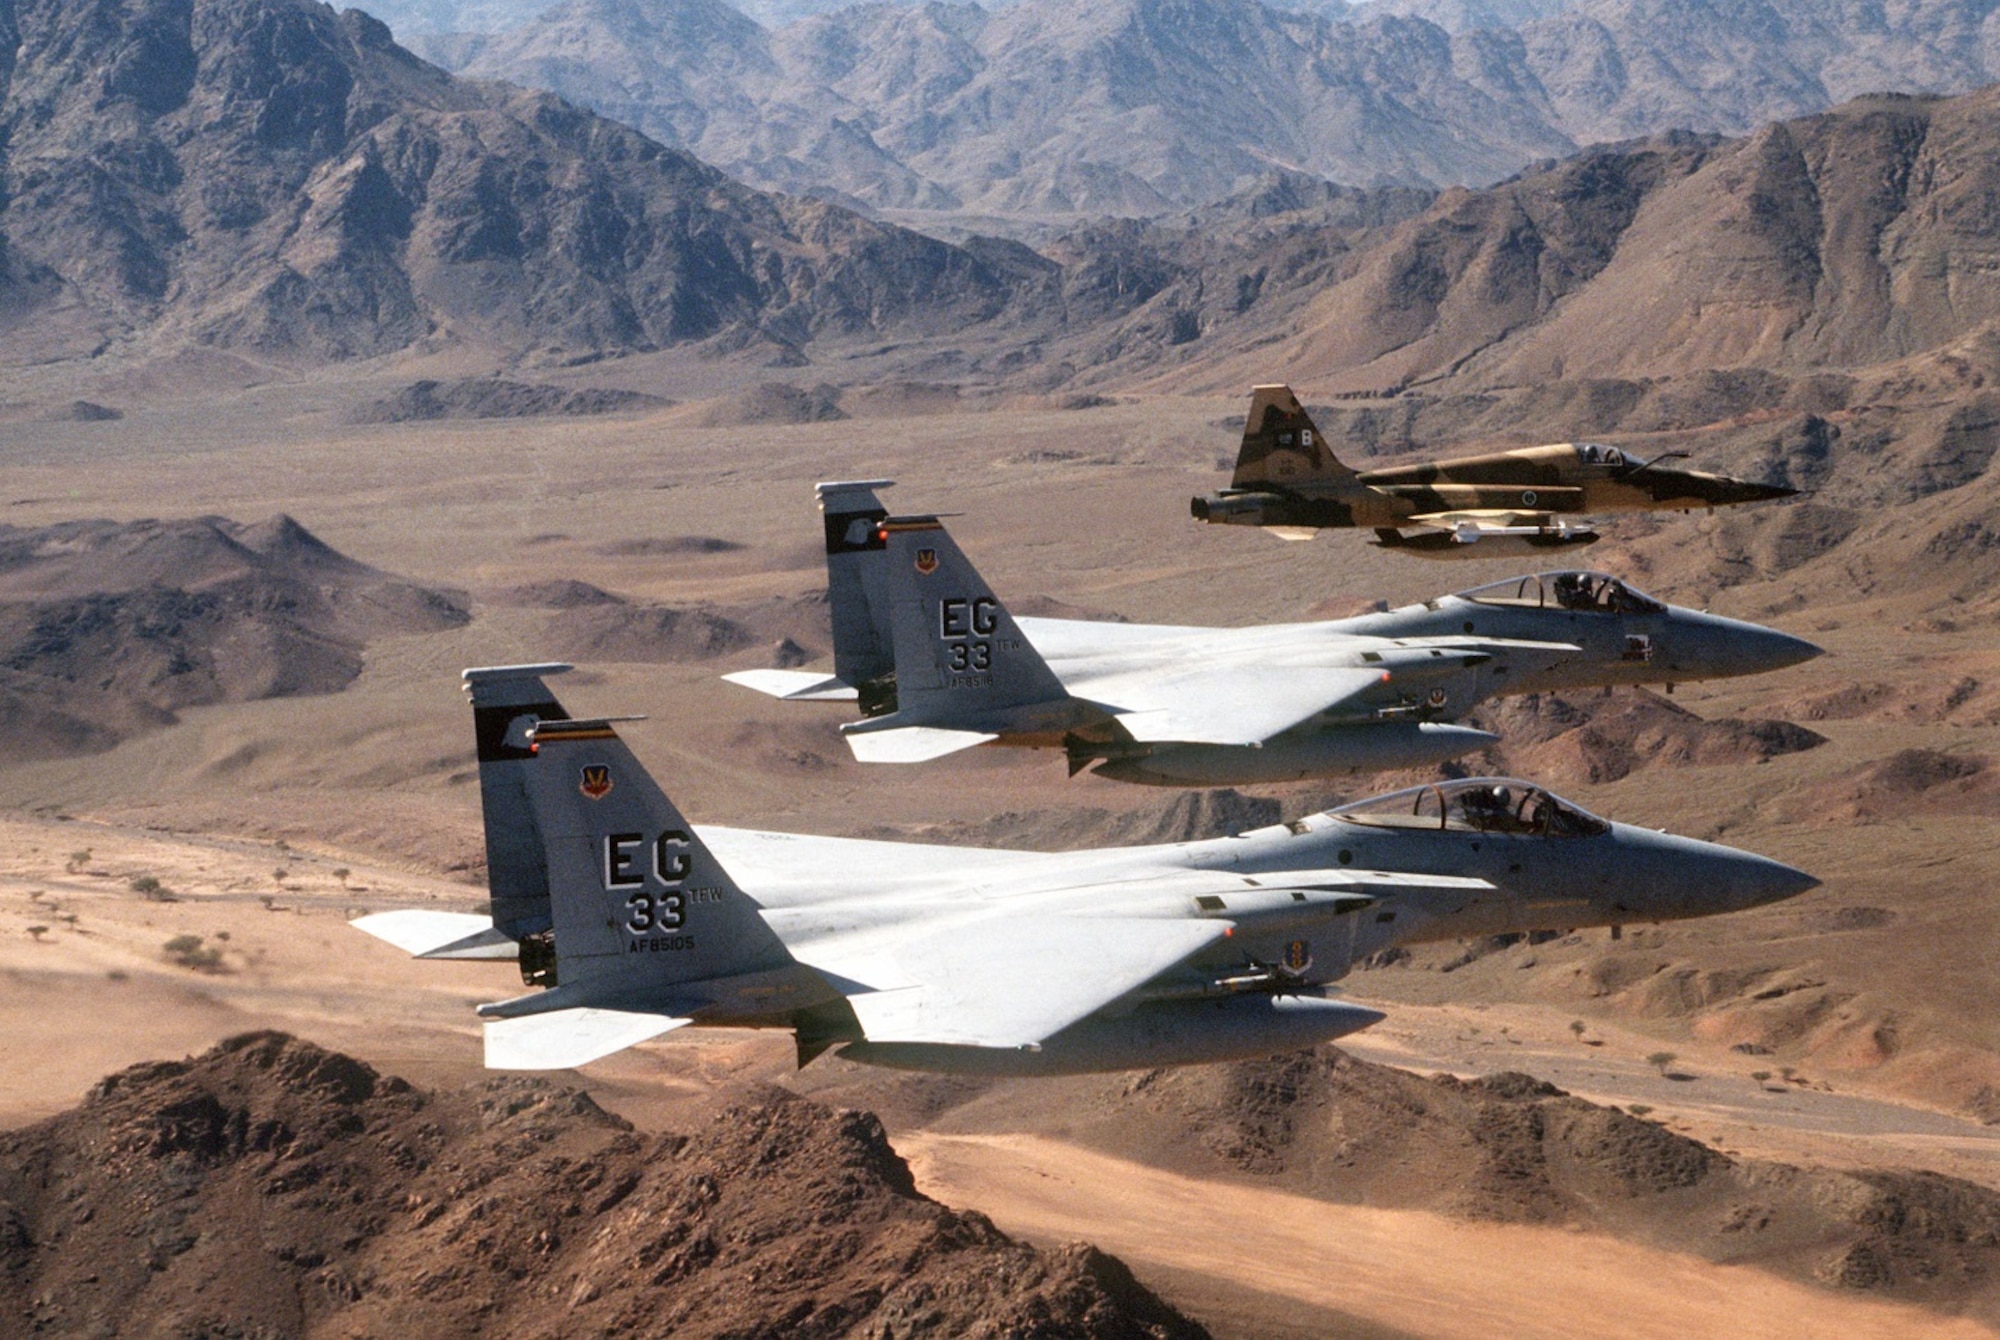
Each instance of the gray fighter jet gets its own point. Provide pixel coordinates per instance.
(938, 664)
(634, 923)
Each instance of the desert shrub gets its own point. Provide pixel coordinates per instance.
(148, 886)
(187, 951)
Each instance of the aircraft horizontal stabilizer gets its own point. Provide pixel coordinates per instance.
(911, 744)
(563, 1039)
(422, 933)
(797, 686)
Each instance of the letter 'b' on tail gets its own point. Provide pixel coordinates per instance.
(1281, 446)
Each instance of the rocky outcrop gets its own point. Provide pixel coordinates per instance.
(109, 628)
(269, 1187)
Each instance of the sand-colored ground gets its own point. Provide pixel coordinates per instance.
(1417, 1273)
(1087, 507)
(1709, 1092)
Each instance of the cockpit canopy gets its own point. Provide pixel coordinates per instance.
(1590, 592)
(1596, 454)
(1477, 805)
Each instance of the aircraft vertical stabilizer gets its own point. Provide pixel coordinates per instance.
(508, 701)
(863, 653)
(1281, 446)
(964, 669)
(640, 904)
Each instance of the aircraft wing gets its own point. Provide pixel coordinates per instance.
(1064, 639)
(762, 860)
(1024, 966)
(908, 744)
(1002, 981)
(1235, 704)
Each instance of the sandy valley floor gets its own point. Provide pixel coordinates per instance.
(271, 823)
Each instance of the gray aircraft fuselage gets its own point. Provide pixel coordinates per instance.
(1624, 638)
(1627, 638)
(1549, 864)
(978, 960)
(1597, 873)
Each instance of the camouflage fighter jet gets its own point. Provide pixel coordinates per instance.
(938, 664)
(632, 923)
(1497, 505)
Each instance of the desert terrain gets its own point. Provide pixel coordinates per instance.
(325, 374)
(1844, 1036)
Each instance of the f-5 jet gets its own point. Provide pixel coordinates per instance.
(1490, 506)
(938, 664)
(631, 923)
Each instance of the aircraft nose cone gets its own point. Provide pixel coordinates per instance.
(1776, 650)
(1761, 880)
(1711, 645)
(1727, 491)
(1665, 876)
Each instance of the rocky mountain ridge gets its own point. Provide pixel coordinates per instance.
(271, 1187)
(1810, 304)
(1043, 110)
(269, 176)
(108, 629)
